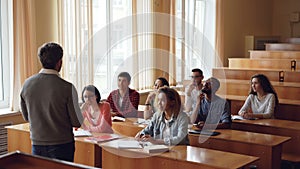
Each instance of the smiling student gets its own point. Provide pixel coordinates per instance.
(169, 125)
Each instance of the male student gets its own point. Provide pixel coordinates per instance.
(193, 90)
(50, 105)
(124, 101)
(211, 110)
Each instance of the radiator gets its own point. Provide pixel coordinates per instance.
(3, 137)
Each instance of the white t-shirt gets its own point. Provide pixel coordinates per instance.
(266, 106)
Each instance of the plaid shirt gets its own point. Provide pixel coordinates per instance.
(130, 103)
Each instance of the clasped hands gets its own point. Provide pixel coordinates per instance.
(144, 137)
(246, 115)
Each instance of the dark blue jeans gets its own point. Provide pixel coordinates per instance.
(60, 151)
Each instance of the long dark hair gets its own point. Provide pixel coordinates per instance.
(93, 89)
(265, 84)
(164, 81)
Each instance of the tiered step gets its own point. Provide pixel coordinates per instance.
(283, 46)
(284, 90)
(293, 40)
(261, 54)
(246, 74)
(283, 64)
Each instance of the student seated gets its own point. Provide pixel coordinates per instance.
(261, 101)
(97, 117)
(150, 101)
(193, 90)
(211, 111)
(124, 101)
(169, 125)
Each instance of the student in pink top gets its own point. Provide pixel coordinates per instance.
(97, 117)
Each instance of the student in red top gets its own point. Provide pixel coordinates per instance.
(97, 117)
(124, 101)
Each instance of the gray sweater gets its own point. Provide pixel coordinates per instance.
(50, 105)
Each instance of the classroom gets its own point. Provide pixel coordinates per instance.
(108, 44)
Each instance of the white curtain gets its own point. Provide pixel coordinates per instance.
(25, 60)
(75, 31)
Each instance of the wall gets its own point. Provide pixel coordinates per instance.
(281, 14)
(256, 17)
(241, 18)
(46, 21)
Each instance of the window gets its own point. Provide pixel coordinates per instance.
(102, 38)
(194, 47)
(5, 51)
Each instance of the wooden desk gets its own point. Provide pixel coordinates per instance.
(291, 149)
(16, 160)
(179, 157)
(265, 146)
(128, 128)
(87, 153)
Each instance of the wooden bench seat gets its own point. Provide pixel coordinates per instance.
(263, 54)
(283, 46)
(283, 64)
(291, 157)
(284, 90)
(246, 74)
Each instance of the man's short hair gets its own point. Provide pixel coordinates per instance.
(50, 54)
(126, 75)
(198, 70)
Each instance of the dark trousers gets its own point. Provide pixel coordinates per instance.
(60, 151)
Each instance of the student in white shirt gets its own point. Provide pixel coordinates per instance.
(193, 90)
(261, 101)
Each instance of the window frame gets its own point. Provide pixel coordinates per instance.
(6, 51)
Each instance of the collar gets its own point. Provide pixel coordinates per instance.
(49, 71)
(163, 118)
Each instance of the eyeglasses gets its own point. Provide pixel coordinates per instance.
(88, 97)
(193, 77)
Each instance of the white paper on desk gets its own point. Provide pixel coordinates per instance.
(237, 117)
(142, 121)
(129, 144)
(81, 133)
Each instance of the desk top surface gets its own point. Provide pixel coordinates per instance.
(245, 137)
(188, 154)
(275, 123)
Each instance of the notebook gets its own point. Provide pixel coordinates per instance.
(204, 132)
(81, 133)
(156, 148)
(129, 144)
(102, 138)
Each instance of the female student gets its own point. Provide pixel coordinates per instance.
(97, 117)
(150, 101)
(262, 99)
(169, 125)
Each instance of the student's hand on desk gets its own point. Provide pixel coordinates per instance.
(248, 115)
(147, 138)
(200, 124)
(242, 113)
(138, 136)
